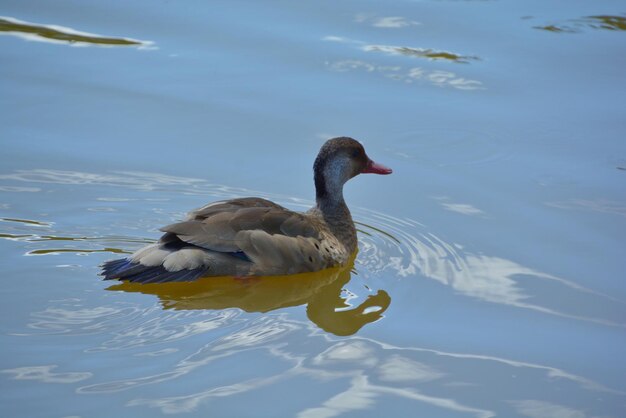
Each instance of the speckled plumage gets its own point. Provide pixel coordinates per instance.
(256, 237)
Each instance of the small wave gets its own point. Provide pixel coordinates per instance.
(427, 53)
(70, 318)
(29, 222)
(613, 23)
(63, 35)
(408, 249)
(403, 246)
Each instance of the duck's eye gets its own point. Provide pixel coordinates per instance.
(356, 153)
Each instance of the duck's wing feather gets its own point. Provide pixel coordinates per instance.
(225, 226)
(231, 206)
(275, 239)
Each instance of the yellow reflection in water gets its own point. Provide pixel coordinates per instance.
(77, 251)
(26, 221)
(60, 34)
(555, 28)
(421, 53)
(605, 22)
(320, 291)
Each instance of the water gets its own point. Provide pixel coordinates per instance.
(489, 280)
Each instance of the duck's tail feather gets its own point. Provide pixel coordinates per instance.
(125, 269)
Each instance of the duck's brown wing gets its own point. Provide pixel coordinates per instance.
(231, 206)
(277, 240)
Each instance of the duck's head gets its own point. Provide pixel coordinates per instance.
(338, 161)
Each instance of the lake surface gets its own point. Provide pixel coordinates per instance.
(490, 280)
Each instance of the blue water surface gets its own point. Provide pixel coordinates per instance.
(490, 276)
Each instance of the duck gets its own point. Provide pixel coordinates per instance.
(251, 236)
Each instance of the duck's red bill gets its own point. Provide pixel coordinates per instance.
(376, 168)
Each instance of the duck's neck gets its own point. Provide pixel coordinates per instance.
(333, 208)
(329, 190)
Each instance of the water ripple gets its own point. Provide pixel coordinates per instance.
(62, 35)
(362, 371)
(72, 318)
(254, 335)
(402, 246)
(163, 328)
(407, 248)
(407, 75)
(45, 374)
(395, 70)
(427, 53)
(386, 22)
(129, 326)
(614, 23)
(136, 180)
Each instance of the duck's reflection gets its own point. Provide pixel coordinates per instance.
(327, 307)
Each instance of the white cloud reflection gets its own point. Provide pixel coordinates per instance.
(393, 22)
(462, 208)
(355, 362)
(364, 373)
(355, 352)
(362, 394)
(427, 53)
(542, 409)
(44, 374)
(408, 75)
(191, 402)
(492, 279)
(599, 205)
(488, 278)
(358, 397)
(386, 22)
(399, 369)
